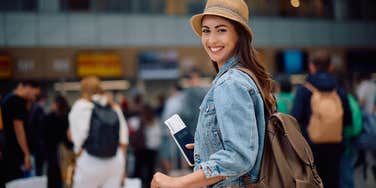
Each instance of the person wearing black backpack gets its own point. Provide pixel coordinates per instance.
(100, 135)
(327, 153)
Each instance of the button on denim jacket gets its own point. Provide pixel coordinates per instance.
(229, 138)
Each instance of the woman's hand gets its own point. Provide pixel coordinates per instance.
(190, 146)
(162, 181)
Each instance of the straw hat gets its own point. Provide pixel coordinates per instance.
(236, 10)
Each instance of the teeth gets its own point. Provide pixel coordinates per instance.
(215, 49)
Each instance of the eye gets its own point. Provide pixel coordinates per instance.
(222, 30)
(205, 30)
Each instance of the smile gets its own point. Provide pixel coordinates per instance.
(216, 49)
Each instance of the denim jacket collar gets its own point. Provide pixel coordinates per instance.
(230, 63)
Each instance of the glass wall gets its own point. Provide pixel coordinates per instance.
(322, 9)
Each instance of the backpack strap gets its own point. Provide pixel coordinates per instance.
(310, 87)
(254, 78)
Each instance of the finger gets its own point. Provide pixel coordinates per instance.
(190, 146)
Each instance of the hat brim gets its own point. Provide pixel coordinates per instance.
(196, 21)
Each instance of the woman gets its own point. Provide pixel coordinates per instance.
(92, 170)
(56, 125)
(229, 138)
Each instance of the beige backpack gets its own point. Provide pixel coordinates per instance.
(326, 123)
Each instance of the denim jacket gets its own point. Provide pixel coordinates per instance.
(229, 138)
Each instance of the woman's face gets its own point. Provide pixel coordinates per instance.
(219, 38)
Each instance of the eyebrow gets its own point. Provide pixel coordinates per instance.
(217, 26)
(221, 25)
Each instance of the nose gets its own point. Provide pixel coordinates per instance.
(211, 39)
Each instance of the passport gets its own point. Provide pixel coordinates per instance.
(181, 136)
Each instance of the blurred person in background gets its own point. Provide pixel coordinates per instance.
(56, 125)
(192, 98)
(133, 113)
(327, 155)
(136, 105)
(35, 133)
(350, 133)
(17, 156)
(366, 94)
(123, 102)
(172, 106)
(284, 95)
(136, 135)
(193, 95)
(94, 170)
(146, 156)
(160, 106)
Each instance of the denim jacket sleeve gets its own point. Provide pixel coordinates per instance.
(237, 123)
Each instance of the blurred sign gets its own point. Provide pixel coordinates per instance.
(292, 61)
(107, 85)
(61, 65)
(158, 65)
(29, 67)
(25, 65)
(5, 66)
(101, 64)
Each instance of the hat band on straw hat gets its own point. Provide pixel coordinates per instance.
(227, 9)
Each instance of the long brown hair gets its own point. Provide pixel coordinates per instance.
(248, 59)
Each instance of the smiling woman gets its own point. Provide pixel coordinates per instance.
(219, 38)
(229, 139)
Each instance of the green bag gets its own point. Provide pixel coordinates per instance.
(353, 130)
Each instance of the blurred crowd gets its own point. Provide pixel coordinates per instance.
(39, 136)
(42, 136)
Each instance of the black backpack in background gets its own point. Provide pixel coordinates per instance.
(103, 138)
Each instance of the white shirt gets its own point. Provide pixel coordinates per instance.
(79, 123)
(367, 92)
(153, 136)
